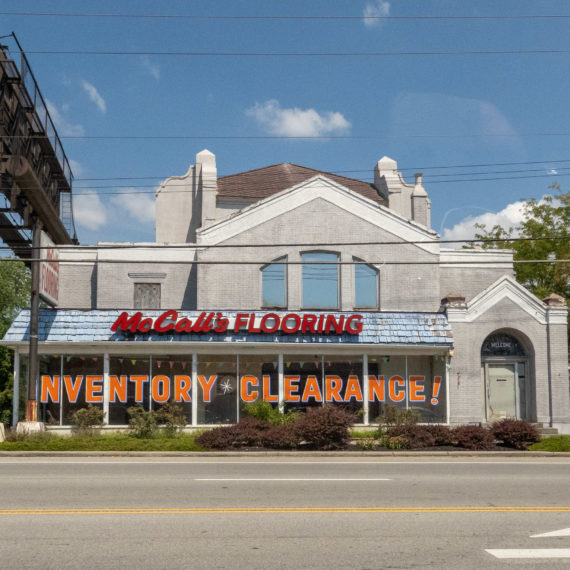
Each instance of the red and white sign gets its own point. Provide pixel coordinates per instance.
(290, 323)
(49, 271)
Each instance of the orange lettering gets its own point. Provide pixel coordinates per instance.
(353, 389)
(93, 390)
(157, 396)
(397, 389)
(207, 387)
(312, 390)
(246, 382)
(117, 388)
(333, 386)
(50, 387)
(182, 387)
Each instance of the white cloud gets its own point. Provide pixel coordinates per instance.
(151, 67)
(510, 216)
(374, 12)
(552, 171)
(88, 210)
(138, 205)
(62, 125)
(94, 95)
(297, 122)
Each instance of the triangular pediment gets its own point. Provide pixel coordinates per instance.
(506, 287)
(318, 187)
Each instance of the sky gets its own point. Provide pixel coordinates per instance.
(439, 114)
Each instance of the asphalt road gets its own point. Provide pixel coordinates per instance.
(278, 512)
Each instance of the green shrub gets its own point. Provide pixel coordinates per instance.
(393, 416)
(366, 444)
(88, 420)
(325, 427)
(396, 442)
(142, 423)
(172, 417)
(263, 410)
(476, 438)
(515, 433)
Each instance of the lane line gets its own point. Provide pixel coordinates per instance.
(305, 479)
(278, 510)
(561, 532)
(530, 552)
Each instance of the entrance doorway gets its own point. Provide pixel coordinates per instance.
(505, 367)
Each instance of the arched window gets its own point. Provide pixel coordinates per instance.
(273, 284)
(502, 344)
(320, 280)
(365, 286)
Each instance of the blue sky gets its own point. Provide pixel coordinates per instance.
(453, 101)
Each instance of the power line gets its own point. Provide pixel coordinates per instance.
(192, 246)
(264, 262)
(294, 137)
(318, 17)
(300, 54)
(415, 168)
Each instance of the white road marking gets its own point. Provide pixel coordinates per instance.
(561, 532)
(530, 552)
(305, 479)
(159, 460)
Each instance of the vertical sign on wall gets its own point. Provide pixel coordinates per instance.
(49, 271)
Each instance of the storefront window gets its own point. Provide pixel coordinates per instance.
(349, 395)
(259, 378)
(171, 381)
(217, 389)
(273, 284)
(320, 280)
(50, 364)
(303, 381)
(430, 402)
(122, 386)
(386, 375)
(408, 383)
(75, 370)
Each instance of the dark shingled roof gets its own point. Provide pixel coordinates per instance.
(264, 182)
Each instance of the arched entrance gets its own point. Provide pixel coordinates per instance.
(506, 373)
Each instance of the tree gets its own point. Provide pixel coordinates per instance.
(14, 294)
(546, 229)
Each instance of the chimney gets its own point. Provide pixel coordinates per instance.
(206, 176)
(420, 202)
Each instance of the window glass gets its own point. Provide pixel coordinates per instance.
(386, 375)
(350, 389)
(423, 389)
(81, 366)
(365, 286)
(50, 365)
(431, 401)
(259, 378)
(320, 280)
(127, 366)
(303, 381)
(217, 389)
(273, 279)
(175, 384)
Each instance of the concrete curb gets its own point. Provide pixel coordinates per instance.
(307, 454)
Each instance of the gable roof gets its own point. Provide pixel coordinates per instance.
(264, 182)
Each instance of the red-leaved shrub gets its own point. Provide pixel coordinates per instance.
(441, 434)
(476, 438)
(248, 432)
(325, 428)
(283, 436)
(515, 433)
(416, 436)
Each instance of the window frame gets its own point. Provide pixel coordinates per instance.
(362, 262)
(277, 261)
(337, 254)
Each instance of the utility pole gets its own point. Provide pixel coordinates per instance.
(32, 403)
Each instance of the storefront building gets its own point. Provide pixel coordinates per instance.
(302, 288)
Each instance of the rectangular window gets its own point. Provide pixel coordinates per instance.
(147, 296)
(365, 286)
(320, 280)
(273, 280)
